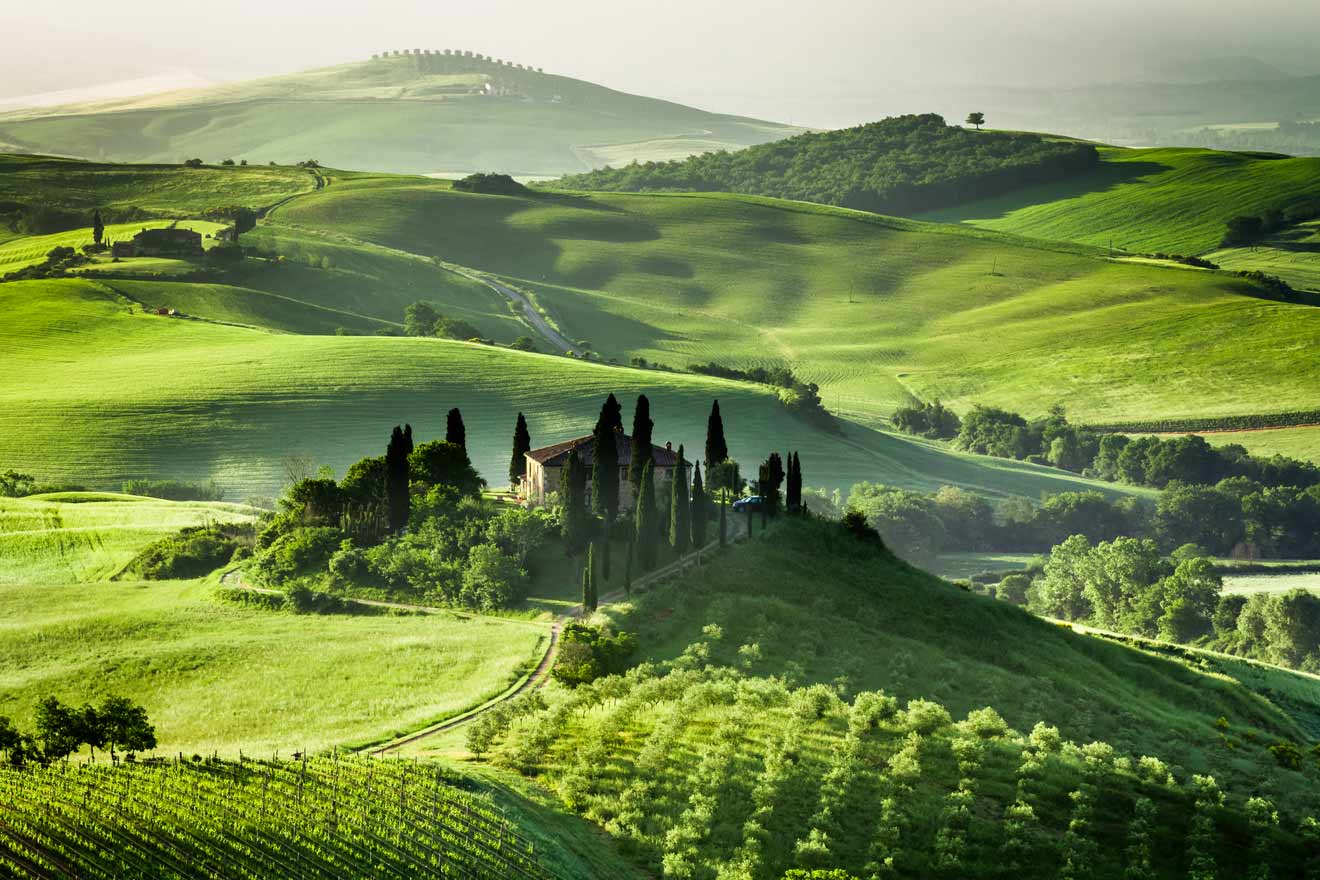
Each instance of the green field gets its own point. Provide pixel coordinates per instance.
(217, 677)
(1292, 254)
(872, 309)
(674, 760)
(1248, 584)
(87, 536)
(1151, 200)
(32, 249)
(100, 390)
(410, 114)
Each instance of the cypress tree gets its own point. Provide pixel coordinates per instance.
(716, 449)
(454, 431)
(700, 513)
(771, 477)
(589, 580)
(724, 525)
(605, 549)
(794, 483)
(627, 568)
(98, 228)
(522, 444)
(605, 458)
(645, 519)
(573, 499)
(396, 480)
(407, 441)
(641, 442)
(679, 530)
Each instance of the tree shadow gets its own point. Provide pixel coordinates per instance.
(1105, 177)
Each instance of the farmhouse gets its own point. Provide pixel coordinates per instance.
(169, 242)
(544, 465)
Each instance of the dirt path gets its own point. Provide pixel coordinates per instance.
(558, 342)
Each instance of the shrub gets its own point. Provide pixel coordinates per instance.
(986, 723)
(300, 552)
(589, 652)
(193, 552)
(925, 717)
(813, 702)
(1287, 754)
(175, 490)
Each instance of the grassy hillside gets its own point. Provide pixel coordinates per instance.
(1151, 200)
(872, 309)
(422, 114)
(899, 165)
(1292, 254)
(86, 536)
(98, 389)
(723, 762)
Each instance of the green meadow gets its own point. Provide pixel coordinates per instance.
(1292, 254)
(873, 309)
(410, 114)
(1150, 200)
(100, 391)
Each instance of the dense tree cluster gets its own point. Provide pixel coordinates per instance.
(490, 184)
(192, 552)
(588, 652)
(118, 724)
(901, 165)
(801, 398)
(175, 490)
(933, 420)
(421, 319)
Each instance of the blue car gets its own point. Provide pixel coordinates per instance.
(752, 503)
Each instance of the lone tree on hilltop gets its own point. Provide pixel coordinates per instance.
(573, 500)
(644, 522)
(522, 444)
(396, 477)
(977, 118)
(455, 433)
(641, 442)
(98, 228)
(679, 510)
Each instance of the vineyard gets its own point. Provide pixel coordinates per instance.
(331, 818)
(704, 772)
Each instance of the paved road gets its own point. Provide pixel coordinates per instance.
(558, 342)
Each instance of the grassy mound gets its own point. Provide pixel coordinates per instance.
(1147, 201)
(421, 114)
(762, 741)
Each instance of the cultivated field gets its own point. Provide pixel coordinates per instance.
(1152, 200)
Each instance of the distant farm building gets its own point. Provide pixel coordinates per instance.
(170, 242)
(543, 468)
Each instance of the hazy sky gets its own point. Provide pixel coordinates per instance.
(759, 58)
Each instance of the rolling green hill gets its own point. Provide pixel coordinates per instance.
(899, 165)
(1149, 200)
(414, 113)
(733, 750)
(95, 387)
(873, 309)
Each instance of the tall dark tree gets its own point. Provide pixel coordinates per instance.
(396, 478)
(628, 567)
(724, 524)
(444, 464)
(793, 490)
(771, 477)
(522, 444)
(641, 441)
(700, 508)
(645, 527)
(98, 228)
(589, 580)
(680, 532)
(407, 439)
(454, 431)
(716, 449)
(608, 524)
(573, 498)
(605, 458)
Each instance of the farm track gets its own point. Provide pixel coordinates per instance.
(537, 677)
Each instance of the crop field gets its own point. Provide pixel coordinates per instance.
(91, 378)
(1149, 200)
(1249, 584)
(1297, 442)
(872, 309)
(81, 537)
(218, 677)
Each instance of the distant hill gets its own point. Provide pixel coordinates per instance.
(896, 166)
(417, 113)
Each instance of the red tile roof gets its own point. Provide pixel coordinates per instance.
(557, 455)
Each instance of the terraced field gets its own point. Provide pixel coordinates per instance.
(1152, 200)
